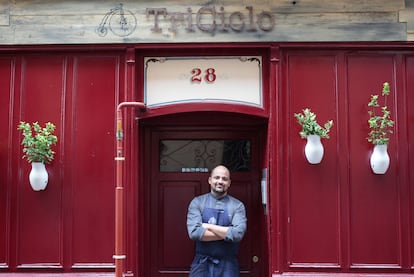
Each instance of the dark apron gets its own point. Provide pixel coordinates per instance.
(215, 258)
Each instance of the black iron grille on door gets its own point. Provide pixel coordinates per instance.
(204, 155)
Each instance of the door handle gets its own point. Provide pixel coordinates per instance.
(263, 188)
(255, 259)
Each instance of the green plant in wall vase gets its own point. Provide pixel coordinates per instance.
(381, 126)
(313, 132)
(37, 144)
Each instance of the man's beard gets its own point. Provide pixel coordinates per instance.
(220, 191)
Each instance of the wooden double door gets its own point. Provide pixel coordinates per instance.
(178, 164)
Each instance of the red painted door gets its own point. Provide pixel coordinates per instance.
(180, 163)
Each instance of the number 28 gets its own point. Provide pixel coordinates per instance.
(209, 75)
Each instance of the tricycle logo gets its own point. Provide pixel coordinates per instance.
(119, 21)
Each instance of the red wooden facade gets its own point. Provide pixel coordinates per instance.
(335, 217)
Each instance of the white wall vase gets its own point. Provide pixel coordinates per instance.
(380, 160)
(38, 176)
(314, 149)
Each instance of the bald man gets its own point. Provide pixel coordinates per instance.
(217, 222)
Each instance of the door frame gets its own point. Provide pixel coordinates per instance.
(220, 121)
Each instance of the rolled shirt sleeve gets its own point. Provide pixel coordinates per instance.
(194, 220)
(238, 226)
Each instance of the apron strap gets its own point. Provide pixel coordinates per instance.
(211, 262)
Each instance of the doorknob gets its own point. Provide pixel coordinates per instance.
(255, 259)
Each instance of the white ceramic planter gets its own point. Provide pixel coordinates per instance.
(380, 160)
(314, 149)
(38, 176)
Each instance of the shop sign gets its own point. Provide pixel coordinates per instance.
(209, 19)
(203, 79)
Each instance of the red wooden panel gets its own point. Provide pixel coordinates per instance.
(313, 232)
(5, 177)
(410, 117)
(173, 232)
(96, 84)
(40, 213)
(374, 205)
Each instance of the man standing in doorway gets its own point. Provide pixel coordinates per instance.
(217, 222)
